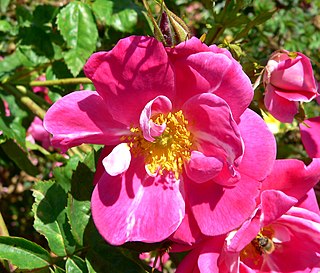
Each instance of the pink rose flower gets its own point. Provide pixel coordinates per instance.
(278, 237)
(310, 136)
(288, 80)
(177, 135)
(36, 132)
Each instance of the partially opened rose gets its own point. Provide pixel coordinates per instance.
(177, 132)
(288, 80)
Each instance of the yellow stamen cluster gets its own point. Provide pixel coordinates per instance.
(168, 151)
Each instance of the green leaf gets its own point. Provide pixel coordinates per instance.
(103, 10)
(5, 26)
(76, 265)
(64, 174)
(4, 5)
(78, 209)
(23, 253)
(125, 20)
(51, 219)
(19, 157)
(78, 28)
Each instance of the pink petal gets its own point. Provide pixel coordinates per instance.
(295, 75)
(309, 202)
(100, 170)
(150, 129)
(218, 209)
(301, 252)
(240, 238)
(260, 146)
(136, 207)
(215, 132)
(292, 177)
(274, 204)
(118, 161)
(209, 72)
(310, 136)
(82, 117)
(188, 231)
(281, 108)
(201, 168)
(134, 72)
(37, 131)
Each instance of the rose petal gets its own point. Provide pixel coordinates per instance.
(215, 132)
(118, 161)
(150, 129)
(282, 109)
(136, 207)
(214, 73)
(201, 168)
(82, 117)
(310, 136)
(218, 209)
(130, 75)
(260, 146)
(292, 177)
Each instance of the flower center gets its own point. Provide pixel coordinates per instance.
(169, 150)
(261, 244)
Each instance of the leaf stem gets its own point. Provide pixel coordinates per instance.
(61, 82)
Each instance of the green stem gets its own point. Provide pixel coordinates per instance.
(61, 82)
(29, 99)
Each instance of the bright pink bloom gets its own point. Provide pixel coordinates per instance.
(177, 134)
(288, 80)
(310, 136)
(36, 132)
(277, 237)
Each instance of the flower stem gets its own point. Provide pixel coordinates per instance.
(61, 82)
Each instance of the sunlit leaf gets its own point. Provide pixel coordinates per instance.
(78, 28)
(23, 253)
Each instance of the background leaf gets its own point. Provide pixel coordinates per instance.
(23, 253)
(51, 218)
(78, 28)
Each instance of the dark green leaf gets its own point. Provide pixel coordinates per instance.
(19, 157)
(63, 174)
(78, 28)
(75, 264)
(51, 219)
(23, 253)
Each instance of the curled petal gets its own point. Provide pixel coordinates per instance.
(213, 127)
(201, 168)
(118, 161)
(82, 117)
(160, 104)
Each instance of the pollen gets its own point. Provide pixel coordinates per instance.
(169, 151)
